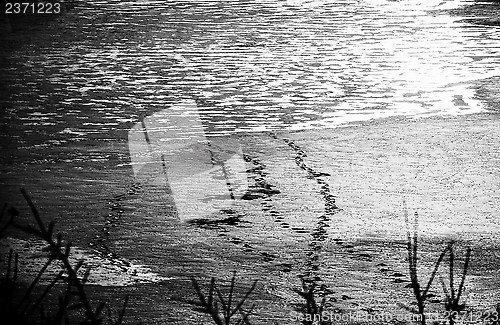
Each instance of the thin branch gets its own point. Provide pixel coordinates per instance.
(466, 267)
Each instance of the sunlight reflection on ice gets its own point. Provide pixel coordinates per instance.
(299, 62)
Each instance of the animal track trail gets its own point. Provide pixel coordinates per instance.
(262, 189)
(330, 206)
(319, 234)
(112, 219)
(259, 189)
(312, 272)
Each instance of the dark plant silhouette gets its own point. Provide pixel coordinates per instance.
(311, 308)
(223, 310)
(420, 292)
(20, 305)
(453, 295)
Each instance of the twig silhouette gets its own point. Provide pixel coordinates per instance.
(210, 303)
(421, 294)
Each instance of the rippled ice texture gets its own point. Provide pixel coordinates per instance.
(250, 65)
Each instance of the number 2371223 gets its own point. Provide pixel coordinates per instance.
(32, 8)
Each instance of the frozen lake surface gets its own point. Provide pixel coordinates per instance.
(294, 84)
